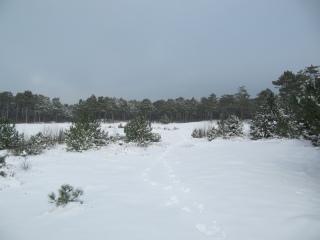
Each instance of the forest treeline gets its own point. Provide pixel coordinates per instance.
(29, 107)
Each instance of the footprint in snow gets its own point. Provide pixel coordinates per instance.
(214, 229)
(186, 209)
(185, 190)
(200, 207)
(173, 200)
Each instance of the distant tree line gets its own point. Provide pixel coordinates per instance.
(29, 107)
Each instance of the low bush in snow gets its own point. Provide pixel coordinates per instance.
(199, 133)
(9, 136)
(35, 145)
(139, 131)
(2, 165)
(231, 127)
(271, 122)
(85, 134)
(67, 194)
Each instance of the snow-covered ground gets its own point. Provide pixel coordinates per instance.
(180, 188)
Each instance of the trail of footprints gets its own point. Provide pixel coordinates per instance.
(176, 192)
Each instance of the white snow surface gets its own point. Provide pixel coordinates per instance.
(180, 188)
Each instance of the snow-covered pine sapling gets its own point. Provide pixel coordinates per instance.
(85, 134)
(67, 194)
(139, 130)
(9, 136)
(231, 127)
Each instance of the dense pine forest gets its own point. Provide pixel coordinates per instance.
(298, 98)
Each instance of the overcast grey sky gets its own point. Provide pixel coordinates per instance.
(156, 49)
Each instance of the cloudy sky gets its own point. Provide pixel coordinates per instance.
(156, 49)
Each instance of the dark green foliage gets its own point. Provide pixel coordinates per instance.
(9, 136)
(36, 144)
(85, 134)
(199, 133)
(231, 127)
(213, 133)
(307, 105)
(67, 194)
(3, 170)
(2, 165)
(139, 131)
(271, 121)
(164, 119)
(288, 83)
(3, 161)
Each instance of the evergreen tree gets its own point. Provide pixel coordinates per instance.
(242, 102)
(139, 131)
(272, 121)
(9, 136)
(307, 104)
(227, 105)
(288, 84)
(231, 127)
(6, 102)
(84, 134)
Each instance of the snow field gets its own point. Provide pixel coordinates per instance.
(180, 188)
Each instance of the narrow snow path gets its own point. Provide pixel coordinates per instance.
(162, 175)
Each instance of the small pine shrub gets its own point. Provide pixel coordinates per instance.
(271, 122)
(263, 126)
(4, 169)
(231, 127)
(139, 131)
(34, 146)
(213, 134)
(85, 134)
(120, 125)
(9, 136)
(199, 133)
(67, 194)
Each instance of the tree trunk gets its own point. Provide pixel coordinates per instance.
(26, 115)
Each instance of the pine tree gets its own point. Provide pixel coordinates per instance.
(307, 104)
(272, 121)
(84, 134)
(67, 194)
(139, 131)
(9, 136)
(231, 127)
